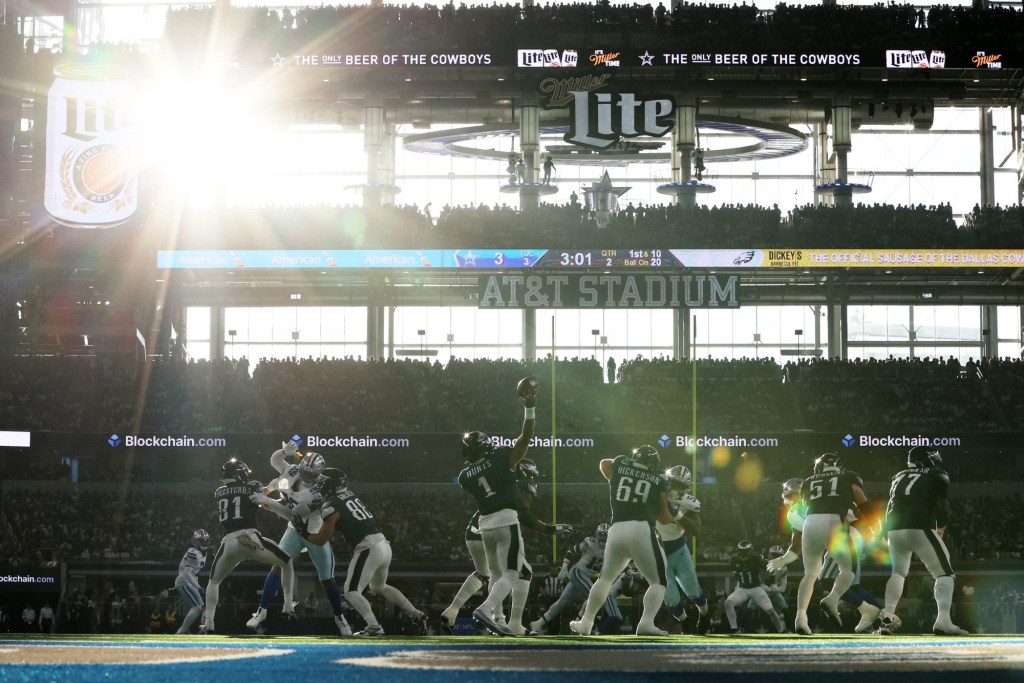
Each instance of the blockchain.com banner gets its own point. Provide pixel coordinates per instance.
(418, 445)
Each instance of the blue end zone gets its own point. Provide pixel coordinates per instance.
(430, 660)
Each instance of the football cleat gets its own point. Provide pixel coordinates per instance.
(888, 624)
(948, 628)
(419, 621)
(868, 614)
(448, 622)
(258, 617)
(490, 623)
(522, 631)
(539, 626)
(370, 631)
(800, 626)
(580, 627)
(342, 624)
(650, 630)
(290, 615)
(206, 629)
(832, 610)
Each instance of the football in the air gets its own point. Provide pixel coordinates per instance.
(527, 386)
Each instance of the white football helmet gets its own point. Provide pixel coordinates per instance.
(311, 468)
(791, 491)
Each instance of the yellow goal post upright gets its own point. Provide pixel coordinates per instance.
(554, 452)
(693, 424)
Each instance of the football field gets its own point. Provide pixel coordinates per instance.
(120, 659)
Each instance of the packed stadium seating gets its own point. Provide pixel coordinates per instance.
(347, 395)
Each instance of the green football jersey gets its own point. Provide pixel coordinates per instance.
(912, 498)
(634, 492)
(355, 522)
(491, 483)
(830, 493)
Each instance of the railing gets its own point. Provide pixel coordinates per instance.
(856, 177)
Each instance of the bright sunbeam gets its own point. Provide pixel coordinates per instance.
(195, 133)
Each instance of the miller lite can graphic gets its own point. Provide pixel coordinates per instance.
(91, 175)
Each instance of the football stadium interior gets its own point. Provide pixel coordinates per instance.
(744, 236)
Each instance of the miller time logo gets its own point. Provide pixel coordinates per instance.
(602, 119)
(601, 58)
(981, 59)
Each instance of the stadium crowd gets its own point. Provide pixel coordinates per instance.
(491, 29)
(100, 394)
(663, 226)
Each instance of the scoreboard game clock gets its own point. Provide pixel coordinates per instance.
(608, 258)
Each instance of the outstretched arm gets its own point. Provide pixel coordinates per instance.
(268, 503)
(791, 554)
(279, 459)
(529, 424)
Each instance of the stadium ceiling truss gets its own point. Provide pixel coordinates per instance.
(773, 141)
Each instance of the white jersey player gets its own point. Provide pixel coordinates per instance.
(579, 567)
(299, 488)
(187, 581)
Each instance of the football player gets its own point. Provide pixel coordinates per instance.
(475, 581)
(775, 583)
(830, 493)
(747, 567)
(299, 488)
(187, 581)
(342, 510)
(583, 561)
(915, 519)
(675, 539)
(638, 494)
(528, 474)
(491, 478)
(240, 540)
(856, 596)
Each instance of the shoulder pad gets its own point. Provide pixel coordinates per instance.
(856, 477)
(942, 474)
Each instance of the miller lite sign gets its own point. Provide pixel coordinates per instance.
(601, 119)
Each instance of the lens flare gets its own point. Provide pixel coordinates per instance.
(749, 474)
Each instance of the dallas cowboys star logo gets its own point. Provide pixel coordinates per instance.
(646, 59)
(277, 59)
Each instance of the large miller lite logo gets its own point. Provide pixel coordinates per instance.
(601, 119)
